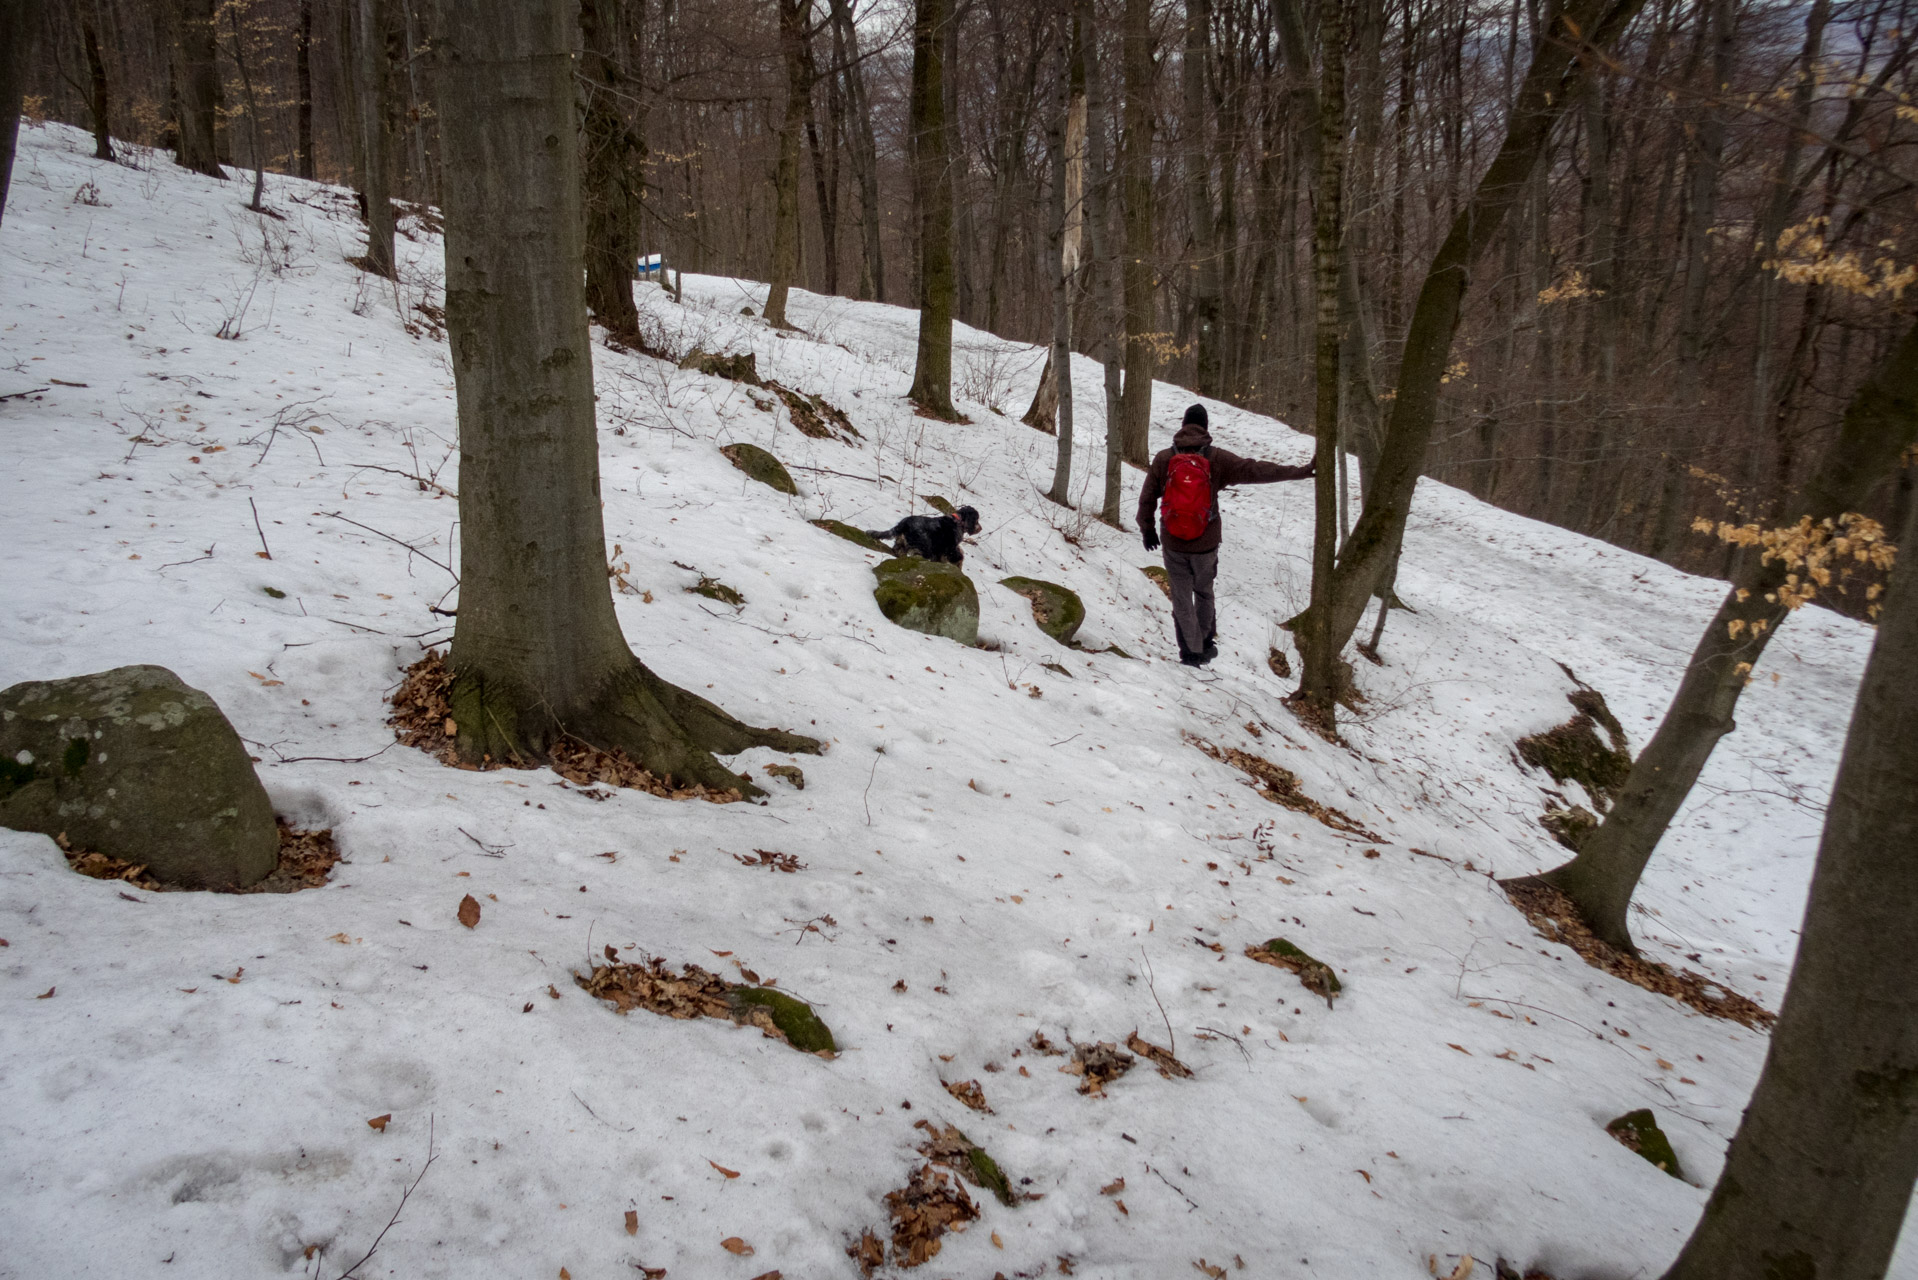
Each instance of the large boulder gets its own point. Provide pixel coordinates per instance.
(134, 764)
(1058, 610)
(928, 595)
(761, 466)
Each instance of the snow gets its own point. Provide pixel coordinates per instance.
(1023, 863)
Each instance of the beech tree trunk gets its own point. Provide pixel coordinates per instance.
(537, 653)
(1060, 358)
(1135, 179)
(20, 24)
(614, 153)
(932, 190)
(196, 85)
(1319, 685)
(1879, 424)
(1107, 300)
(1819, 1175)
(1550, 85)
(863, 151)
(794, 16)
(98, 98)
(1208, 285)
(303, 72)
(368, 105)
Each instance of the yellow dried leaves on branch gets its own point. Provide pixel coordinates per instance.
(1817, 553)
(1803, 257)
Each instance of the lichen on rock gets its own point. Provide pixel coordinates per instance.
(760, 466)
(1058, 610)
(1638, 1131)
(859, 537)
(929, 596)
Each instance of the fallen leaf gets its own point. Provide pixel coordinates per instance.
(767, 1275)
(47, 995)
(1461, 1048)
(1217, 1273)
(730, 1173)
(1662, 1063)
(1122, 1209)
(380, 1122)
(1113, 1187)
(733, 1244)
(564, 1274)
(632, 1222)
(528, 1008)
(721, 954)
(469, 911)
(997, 1243)
(1363, 1174)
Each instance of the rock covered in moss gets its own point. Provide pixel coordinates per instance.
(1638, 1131)
(735, 367)
(839, 528)
(132, 763)
(803, 1028)
(938, 503)
(929, 596)
(1573, 752)
(1157, 573)
(761, 466)
(1058, 610)
(714, 589)
(1315, 975)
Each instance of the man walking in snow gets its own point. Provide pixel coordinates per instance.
(1188, 478)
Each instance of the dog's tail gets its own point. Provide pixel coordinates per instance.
(883, 535)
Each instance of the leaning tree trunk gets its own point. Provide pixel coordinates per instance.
(1880, 422)
(1319, 686)
(932, 189)
(1135, 169)
(794, 16)
(196, 79)
(537, 653)
(1060, 358)
(19, 35)
(1819, 1175)
(1550, 85)
(611, 164)
(367, 105)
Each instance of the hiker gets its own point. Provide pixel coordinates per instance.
(1187, 478)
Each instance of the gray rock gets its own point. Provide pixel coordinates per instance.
(929, 596)
(134, 764)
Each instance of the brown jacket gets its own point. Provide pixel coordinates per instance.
(1227, 469)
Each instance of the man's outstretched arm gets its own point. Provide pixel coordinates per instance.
(1231, 469)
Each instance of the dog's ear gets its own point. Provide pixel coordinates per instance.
(969, 518)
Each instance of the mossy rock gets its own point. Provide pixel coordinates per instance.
(134, 764)
(736, 367)
(1058, 610)
(274, 592)
(929, 596)
(812, 415)
(792, 773)
(1315, 975)
(938, 503)
(714, 589)
(1639, 1131)
(1572, 752)
(802, 1027)
(761, 466)
(1157, 573)
(839, 528)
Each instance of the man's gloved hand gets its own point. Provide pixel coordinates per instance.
(1149, 536)
(1311, 468)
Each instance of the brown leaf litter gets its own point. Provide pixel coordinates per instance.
(1097, 1065)
(771, 859)
(1557, 920)
(1281, 786)
(1168, 1065)
(692, 993)
(813, 415)
(968, 1093)
(306, 860)
(950, 1147)
(931, 1203)
(423, 717)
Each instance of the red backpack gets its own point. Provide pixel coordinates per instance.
(1188, 496)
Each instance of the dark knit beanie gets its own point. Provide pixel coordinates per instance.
(1196, 415)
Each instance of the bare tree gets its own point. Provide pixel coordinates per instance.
(537, 653)
(197, 93)
(20, 25)
(613, 160)
(795, 18)
(1135, 170)
(932, 193)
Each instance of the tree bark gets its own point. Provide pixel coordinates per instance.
(20, 24)
(368, 104)
(611, 163)
(932, 189)
(1061, 355)
(1819, 1176)
(794, 17)
(303, 72)
(1135, 180)
(1550, 85)
(196, 80)
(1208, 286)
(1107, 302)
(1880, 423)
(537, 654)
(864, 153)
(1319, 683)
(98, 97)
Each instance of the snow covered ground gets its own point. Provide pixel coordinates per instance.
(1025, 849)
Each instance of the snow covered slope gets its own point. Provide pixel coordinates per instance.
(999, 842)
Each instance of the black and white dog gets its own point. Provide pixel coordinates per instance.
(931, 537)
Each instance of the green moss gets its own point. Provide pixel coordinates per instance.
(802, 1027)
(1058, 610)
(859, 537)
(1638, 1130)
(928, 596)
(1156, 572)
(275, 592)
(761, 466)
(1572, 752)
(991, 1176)
(74, 758)
(1569, 826)
(714, 589)
(938, 503)
(1315, 975)
(739, 367)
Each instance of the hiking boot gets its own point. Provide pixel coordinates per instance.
(1191, 659)
(1208, 653)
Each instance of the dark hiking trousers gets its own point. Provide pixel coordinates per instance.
(1190, 574)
